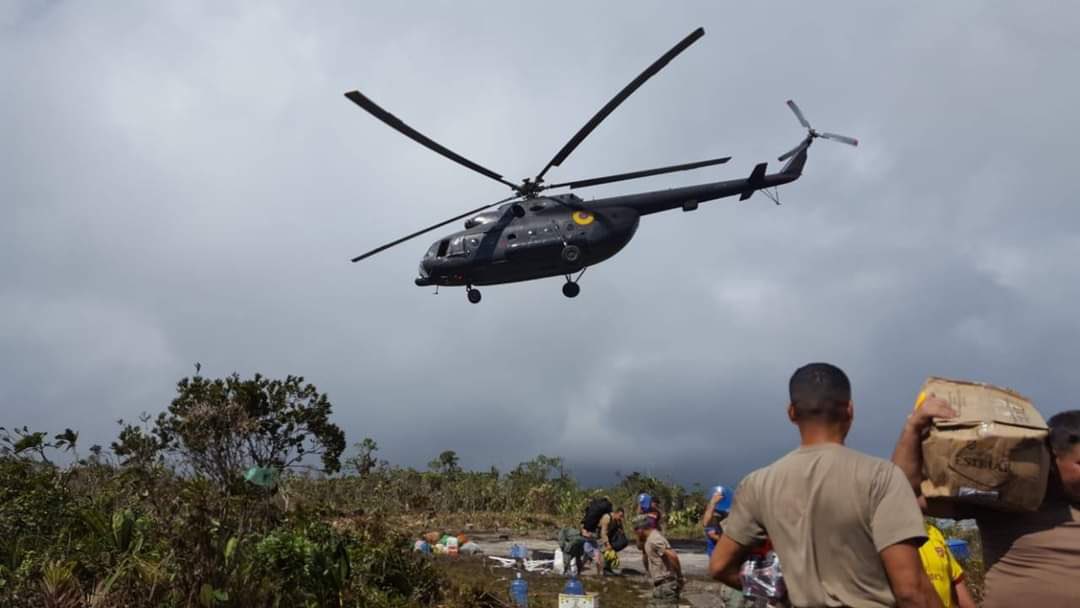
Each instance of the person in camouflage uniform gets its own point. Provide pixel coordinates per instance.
(661, 563)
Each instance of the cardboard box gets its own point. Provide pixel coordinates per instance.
(993, 454)
(589, 600)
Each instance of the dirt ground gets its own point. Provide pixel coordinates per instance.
(631, 589)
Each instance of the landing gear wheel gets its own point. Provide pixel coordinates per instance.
(571, 254)
(473, 295)
(571, 290)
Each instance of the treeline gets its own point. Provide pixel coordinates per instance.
(541, 486)
(237, 495)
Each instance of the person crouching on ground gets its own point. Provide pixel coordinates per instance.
(661, 563)
(846, 526)
(612, 539)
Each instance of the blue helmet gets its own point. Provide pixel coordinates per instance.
(727, 496)
(644, 501)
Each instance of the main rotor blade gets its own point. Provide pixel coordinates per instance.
(618, 99)
(397, 124)
(798, 113)
(430, 228)
(607, 179)
(851, 141)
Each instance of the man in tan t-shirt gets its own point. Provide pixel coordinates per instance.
(1032, 559)
(846, 526)
(660, 561)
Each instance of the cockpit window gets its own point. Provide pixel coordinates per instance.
(457, 246)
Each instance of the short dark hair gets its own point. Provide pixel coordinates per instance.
(1064, 431)
(820, 391)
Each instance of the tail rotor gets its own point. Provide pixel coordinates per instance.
(812, 134)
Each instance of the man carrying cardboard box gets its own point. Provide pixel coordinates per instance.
(846, 526)
(1032, 557)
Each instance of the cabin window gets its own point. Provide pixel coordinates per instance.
(443, 244)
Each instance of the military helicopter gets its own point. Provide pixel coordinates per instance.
(532, 235)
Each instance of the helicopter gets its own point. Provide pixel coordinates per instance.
(533, 235)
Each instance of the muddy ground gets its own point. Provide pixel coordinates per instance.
(631, 589)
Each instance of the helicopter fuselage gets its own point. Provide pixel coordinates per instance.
(501, 247)
(529, 239)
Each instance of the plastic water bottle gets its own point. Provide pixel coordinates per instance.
(574, 587)
(519, 592)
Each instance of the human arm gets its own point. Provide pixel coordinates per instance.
(671, 560)
(725, 561)
(713, 534)
(908, 580)
(908, 452)
(710, 509)
(962, 594)
(742, 530)
(605, 522)
(712, 531)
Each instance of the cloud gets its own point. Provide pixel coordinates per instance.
(186, 183)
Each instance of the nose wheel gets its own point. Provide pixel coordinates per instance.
(473, 295)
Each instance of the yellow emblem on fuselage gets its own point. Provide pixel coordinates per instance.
(582, 218)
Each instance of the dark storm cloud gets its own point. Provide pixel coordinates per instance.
(185, 183)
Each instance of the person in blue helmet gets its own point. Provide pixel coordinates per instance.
(715, 513)
(648, 507)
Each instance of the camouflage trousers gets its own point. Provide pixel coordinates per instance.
(665, 595)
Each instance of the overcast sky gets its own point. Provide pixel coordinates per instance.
(185, 183)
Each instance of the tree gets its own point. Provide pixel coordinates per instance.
(364, 462)
(19, 442)
(446, 463)
(218, 428)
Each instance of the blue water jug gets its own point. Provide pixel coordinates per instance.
(959, 548)
(574, 587)
(519, 592)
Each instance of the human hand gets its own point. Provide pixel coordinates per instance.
(930, 408)
(715, 499)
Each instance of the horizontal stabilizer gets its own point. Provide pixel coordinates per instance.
(755, 181)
